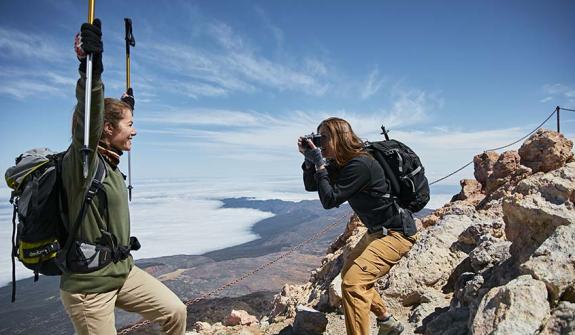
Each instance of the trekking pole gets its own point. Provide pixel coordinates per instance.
(130, 41)
(88, 98)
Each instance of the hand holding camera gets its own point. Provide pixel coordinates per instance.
(309, 146)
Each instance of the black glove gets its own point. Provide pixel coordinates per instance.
(128, 98)
(315, 157)
(89, 41)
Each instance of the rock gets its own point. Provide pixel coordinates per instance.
(240, 317)
(474, 234)
(452, 208)
(470, 192)
(430, 302)
(540, 204)
(202, 326)
(546, 150)
(309, 321)
(517, 308)
(489, 253)
(285, 302)
(452, 322)
(505, 166)
(335, 293)
(350, 230)
(426, 268)
(554, 262)
(483, 166)
(562, 320)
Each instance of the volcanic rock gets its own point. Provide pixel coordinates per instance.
(546, 150)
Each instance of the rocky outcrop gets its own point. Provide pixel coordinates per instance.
(497, 259)
(483, 166)
(546, 151)
(519, 307)
(562, 320)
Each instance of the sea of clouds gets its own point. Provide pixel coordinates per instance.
(185, 216)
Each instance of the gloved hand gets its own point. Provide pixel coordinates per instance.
(315, 157)
(128, 98)
(89, 41)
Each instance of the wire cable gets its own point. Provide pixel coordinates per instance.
(498, 148)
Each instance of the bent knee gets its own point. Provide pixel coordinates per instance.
(180, 310)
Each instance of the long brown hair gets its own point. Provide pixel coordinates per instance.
(113, 113)
(346, 144)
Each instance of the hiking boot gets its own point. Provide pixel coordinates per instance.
(390, 326)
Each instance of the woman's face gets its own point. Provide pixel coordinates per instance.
(120, 137)
(327, 149)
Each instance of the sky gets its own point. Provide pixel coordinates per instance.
(224, 88)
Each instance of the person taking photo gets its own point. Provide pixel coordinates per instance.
(342, 170)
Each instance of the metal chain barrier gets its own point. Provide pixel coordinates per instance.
(246, 275)
(143, 323)
(499, 148)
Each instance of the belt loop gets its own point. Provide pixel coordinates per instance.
(384, 231)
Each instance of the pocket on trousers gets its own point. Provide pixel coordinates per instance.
(369, 266)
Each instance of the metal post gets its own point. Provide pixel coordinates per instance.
(558, 110)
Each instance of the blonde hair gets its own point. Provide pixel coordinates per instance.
(346, 144)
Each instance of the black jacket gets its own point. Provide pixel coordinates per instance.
(362, 183)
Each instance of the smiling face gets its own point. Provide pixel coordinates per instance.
(120, 136)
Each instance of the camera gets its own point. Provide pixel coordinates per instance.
(315, 138)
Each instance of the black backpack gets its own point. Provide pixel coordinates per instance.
(40, 239)
(403, 172)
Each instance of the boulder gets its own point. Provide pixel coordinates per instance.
(546, 150)
(504, 168)
(335, 293)
(540, 204)
(308, 321)
(489, 253)
(562, 320)
(470, 192)
(427, 266)
(240, 317)
(453, 322)
(483, 166)
(554, 262)
(520, 307)
(284, 303)
(474, 234)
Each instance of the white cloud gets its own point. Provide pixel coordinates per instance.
(246, 136)
(560, 94)
(231, 66)
(17, 44)
(21, 83)
(372, 85)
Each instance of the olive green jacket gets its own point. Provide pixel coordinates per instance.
(112, 276)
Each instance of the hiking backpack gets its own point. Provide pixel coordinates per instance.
(40, 239)
(403, 172)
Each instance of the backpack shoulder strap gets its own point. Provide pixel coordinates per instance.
(96, 185)
(377, 152)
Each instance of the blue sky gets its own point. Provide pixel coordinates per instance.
(226, 87)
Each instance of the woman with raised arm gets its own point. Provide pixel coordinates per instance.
(351, 174)
(99, 272)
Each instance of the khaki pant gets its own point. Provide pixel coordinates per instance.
(372, 257)
(93, 313)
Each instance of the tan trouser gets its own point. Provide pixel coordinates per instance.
(93, 313)
(372, 257)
